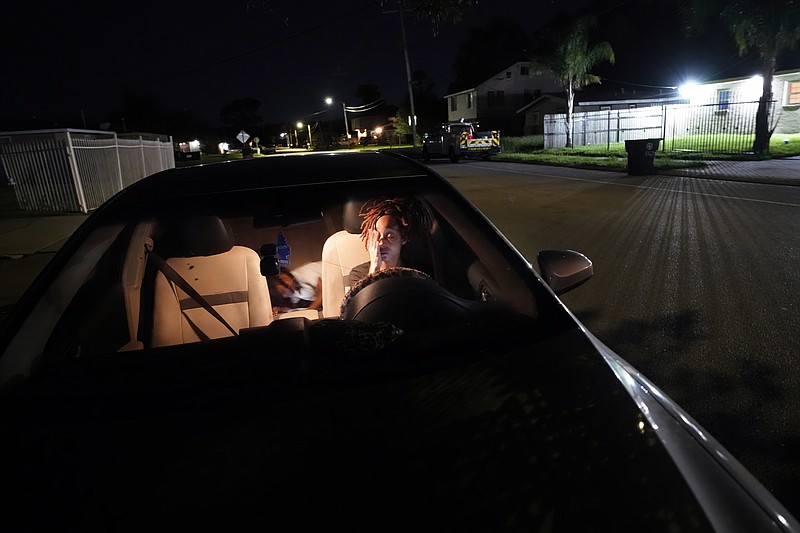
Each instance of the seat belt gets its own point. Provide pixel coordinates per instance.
(176, 278)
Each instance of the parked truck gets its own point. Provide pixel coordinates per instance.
(460, 139)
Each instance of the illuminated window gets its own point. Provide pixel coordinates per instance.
(723, 99)
(793, 93)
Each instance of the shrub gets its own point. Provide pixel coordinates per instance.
(523, 145)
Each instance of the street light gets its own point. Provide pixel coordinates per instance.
(329, 101)
(300, 126)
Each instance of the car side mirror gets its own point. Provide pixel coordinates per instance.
(563, 270)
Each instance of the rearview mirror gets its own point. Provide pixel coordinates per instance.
(563, 270)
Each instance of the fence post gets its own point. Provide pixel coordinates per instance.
(144, 160)
(160, 154)
(119, 162)
(76, 176)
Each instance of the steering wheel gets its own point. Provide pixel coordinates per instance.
(408, 298)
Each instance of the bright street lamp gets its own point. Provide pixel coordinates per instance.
(300, 127)
(329, 101)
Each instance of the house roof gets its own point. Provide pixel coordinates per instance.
(780, 73)
(536, 101)
(500, 73)
(617, 101)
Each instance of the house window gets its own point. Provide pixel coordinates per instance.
(454, 103)
(495, 99)
(469, 101)
(535, 118)
(723, 99)
(508, 74)
(524, 71)
(793, 93)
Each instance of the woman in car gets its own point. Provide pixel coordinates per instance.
(388, 225)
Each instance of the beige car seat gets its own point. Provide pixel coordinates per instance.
(341, 252)
(227, 276)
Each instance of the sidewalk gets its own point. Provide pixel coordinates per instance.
(27, 242)
(772, 171)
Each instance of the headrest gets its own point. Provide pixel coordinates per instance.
(351, 219)
(199, 235)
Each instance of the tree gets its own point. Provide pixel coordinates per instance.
(138, 112)
(769, 27)
(431, 110)
(368, 93)
(437, 12)
(242, 113)
(488, 50)
(567, 51)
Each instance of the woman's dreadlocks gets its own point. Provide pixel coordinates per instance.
(411, 216)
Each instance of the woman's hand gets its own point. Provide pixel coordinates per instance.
(374, 248)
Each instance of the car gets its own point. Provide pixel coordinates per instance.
(147, 382)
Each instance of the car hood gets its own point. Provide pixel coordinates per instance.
(562, 435)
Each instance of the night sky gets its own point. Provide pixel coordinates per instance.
(75, 61)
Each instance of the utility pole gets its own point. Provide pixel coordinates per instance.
(408, 75)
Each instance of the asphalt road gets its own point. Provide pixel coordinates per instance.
(695, 284)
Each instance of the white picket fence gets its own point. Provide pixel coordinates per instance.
(77, 170)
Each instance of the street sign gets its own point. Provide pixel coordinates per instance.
(243, 136)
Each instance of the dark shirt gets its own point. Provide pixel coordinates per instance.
(357, 273)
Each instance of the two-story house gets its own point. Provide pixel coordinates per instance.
(505, 100)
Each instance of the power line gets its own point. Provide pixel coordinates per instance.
(366, 107)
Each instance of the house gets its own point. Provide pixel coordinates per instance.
(718, 115)
(369, 124)
(628, 103)
(498, 102)
(726, 97)
(534, 111)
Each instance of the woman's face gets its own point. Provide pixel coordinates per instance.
(389, 240)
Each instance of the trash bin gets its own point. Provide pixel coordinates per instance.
(641, 153)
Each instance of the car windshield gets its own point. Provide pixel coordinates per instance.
(123, 291)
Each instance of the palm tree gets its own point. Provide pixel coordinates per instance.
(569, 54)
(768, 27)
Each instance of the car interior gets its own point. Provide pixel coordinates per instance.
(183, 276)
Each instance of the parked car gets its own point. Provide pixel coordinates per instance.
(146, 381)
